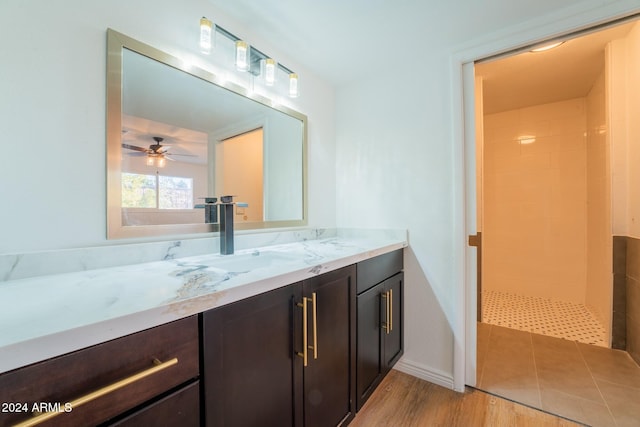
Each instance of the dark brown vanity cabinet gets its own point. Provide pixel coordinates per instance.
(149, 376)
(283, 358)
(379, 319)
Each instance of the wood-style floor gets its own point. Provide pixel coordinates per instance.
(402, 400)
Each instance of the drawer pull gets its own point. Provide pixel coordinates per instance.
(159, 366)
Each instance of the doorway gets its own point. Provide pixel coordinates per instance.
(547, 216)
(240, 172)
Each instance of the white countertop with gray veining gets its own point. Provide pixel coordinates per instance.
(45, 316)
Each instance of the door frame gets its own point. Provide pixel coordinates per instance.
(563, 23)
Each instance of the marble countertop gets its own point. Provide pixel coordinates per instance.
(46, 316)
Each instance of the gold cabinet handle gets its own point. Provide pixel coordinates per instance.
(305, 338)
(159, 366)
(386, 326)
(315, 325)
(390, 310)
(305, 326)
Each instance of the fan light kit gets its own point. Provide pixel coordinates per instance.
(157, 154)
(246, 57)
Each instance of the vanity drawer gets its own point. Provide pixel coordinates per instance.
(127, 362)
(181, 408)
(374, 270)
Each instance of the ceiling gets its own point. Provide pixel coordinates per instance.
(346, 40)
(565, 72)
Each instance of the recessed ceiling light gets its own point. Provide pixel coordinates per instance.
(546, 47)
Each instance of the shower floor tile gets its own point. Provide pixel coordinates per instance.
(560, 319)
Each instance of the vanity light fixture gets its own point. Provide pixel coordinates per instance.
(294, 91)
(248, 58)
(270, 67)
(206, 29)
(243, 56)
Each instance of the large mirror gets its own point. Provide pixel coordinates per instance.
(176, 136)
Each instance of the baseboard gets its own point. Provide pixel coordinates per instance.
(425, 373)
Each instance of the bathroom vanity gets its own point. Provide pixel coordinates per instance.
(276, 342)
(283, 358)
(158, 334)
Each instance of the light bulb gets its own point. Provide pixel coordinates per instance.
(270, 71)
(206, 28)
(242, 56)
(150, 161)
(546, 47)
(162, 162)
(294, 92)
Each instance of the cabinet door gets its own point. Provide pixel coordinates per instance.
(329, 379)
(369, 358)
(249, 362)
(393, 332)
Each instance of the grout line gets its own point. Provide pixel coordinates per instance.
(535, 369)
(485, 351)
(584, 359)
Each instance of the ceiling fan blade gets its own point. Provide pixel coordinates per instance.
(135, 148)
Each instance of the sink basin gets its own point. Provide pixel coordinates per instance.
(251, 261)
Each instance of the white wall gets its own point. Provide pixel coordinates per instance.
(52, 114)
(633, 147)
(400, 158)
(394, 169)
(623, 66)
(599, 258)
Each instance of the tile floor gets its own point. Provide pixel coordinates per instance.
(589, 384)
(543, 316)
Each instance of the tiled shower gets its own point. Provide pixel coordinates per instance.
(547, 240)
(559, 184)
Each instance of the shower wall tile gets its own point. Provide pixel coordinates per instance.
(633, 258)
(619, 320)
(633, 298)
(620, 255)
(534, 201)
(619, 325)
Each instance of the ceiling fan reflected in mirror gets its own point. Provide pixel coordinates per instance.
(157, 154)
